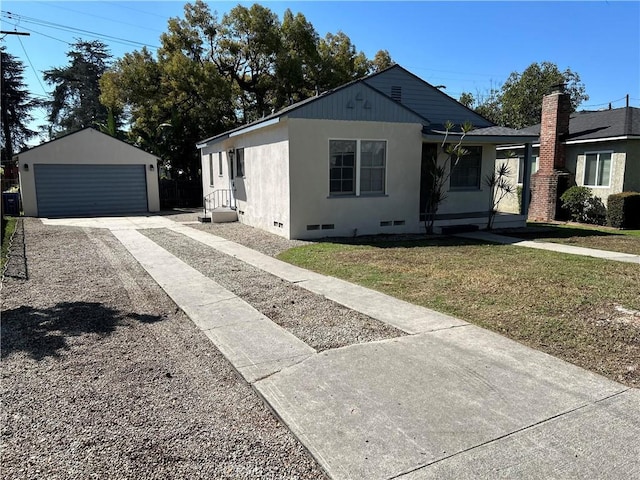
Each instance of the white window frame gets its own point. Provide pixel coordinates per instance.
(220, 164)
(535, 165)
(358, 167)
(584, 172)
(211, 169)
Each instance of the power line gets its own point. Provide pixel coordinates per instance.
(119, 4)
(51, 4)
(43, 34)
(29, 60)
(57, 26)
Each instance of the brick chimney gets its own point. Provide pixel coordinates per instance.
(554, 127)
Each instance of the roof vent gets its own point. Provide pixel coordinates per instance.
(396, 93)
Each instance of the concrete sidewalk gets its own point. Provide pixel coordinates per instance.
(449, 401)
(550, 246)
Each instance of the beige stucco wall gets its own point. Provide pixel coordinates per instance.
(309, 178)
(576, 160)
(86, 147)
(632, 166)
(262, 194)
(510, 203)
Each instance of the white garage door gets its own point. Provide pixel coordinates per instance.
(66, 190)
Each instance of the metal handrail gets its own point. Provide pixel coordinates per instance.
(219, 198)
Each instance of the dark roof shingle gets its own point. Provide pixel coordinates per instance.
(617, 122)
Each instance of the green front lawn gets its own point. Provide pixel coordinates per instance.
(590, 236)
(565, 305)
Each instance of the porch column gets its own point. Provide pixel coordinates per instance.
(526, 181)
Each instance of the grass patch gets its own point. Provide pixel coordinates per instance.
(565, 305)
(603, 238)
(8, 227)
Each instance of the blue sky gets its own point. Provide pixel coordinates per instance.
(467, 46)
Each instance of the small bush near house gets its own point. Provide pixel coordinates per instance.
(583, 206)
(624, 210)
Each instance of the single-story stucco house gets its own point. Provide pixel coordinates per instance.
(596, 149)
(87, 173)
(350, 162)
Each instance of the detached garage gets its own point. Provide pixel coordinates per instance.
(88, 173)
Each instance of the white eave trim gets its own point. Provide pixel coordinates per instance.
(257, 126)
(477, 139)
(251, 128)
(607, 139)
(578, 142)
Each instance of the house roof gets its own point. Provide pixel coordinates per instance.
(495, 134)
(434, 129)
(590, 125)
(43, 144)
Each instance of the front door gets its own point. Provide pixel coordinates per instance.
(429, 151)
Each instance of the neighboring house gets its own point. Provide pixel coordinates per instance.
(87, 173)
(350, 162)
(601, 150)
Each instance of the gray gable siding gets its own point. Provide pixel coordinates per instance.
(424, 99)
(356, 102)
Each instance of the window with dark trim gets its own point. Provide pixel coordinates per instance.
(240, 162)
(465, 175)
(219, 164)
(342, 167)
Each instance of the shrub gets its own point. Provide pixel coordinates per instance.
(594, 211)
(575, 200)
(624, 210)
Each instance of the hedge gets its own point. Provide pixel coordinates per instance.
(623, 210)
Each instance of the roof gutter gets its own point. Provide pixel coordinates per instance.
(578, 142)
(492, 139)
(235, 133)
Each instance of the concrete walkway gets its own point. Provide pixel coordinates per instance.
(449, 401)
(554, 247)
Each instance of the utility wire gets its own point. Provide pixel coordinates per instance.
(40, 33)
(119, 4)
(32, 68)
(138, 27)
(57, 26)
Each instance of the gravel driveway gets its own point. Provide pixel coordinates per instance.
(103, 377)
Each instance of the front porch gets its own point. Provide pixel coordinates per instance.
(476, 220)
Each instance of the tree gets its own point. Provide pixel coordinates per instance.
(76, 96)
(518, 103)
(247, 48)
(340, 62)
(17, 105)
(521, 96)
(381, 61)
(211, 75)
(297, 61)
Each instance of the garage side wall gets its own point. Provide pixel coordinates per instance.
(86, 147)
